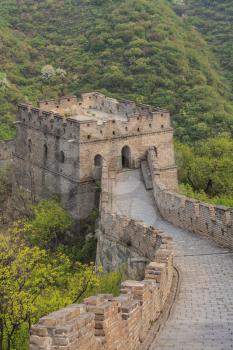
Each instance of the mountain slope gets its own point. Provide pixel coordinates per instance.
(135, 49)
(214, 19)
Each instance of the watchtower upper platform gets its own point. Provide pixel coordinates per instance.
(97, 107)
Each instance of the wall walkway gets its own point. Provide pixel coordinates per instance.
(214, 222)
(104, 322)
(202, 317)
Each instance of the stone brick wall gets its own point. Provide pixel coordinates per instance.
(110, 148)
(212, 221)
(122, 240)
(71, 105)
(81, 141)
(47, 163)
(55, 153)
(104, 322)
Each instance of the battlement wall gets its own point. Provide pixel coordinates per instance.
(47, 122)
(212, 221)
(43, 140)
(123, 240)
(59, 106)
(71, 105)
(128, 243)
(91, 130)
(104, 322)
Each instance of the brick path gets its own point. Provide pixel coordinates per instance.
(202, 317)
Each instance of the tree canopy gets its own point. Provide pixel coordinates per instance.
(139, 50)
(207, 169)
(214, 20)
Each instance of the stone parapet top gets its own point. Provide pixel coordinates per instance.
(212, 221)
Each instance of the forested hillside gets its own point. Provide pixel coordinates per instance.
(175, 54)
(135, 49)
(214, 19)
(145, 50)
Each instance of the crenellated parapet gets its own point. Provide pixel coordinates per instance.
(212, 221)
(96, 116)
(104, 322)
(98, 101)
(47, 122)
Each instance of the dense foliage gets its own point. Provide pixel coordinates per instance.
(206, 170)
(136, 49)
(40, 271)
(34, 283)
(214, 18)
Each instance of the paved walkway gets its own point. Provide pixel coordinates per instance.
(202, 317)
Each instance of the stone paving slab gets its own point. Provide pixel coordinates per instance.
(202, 317)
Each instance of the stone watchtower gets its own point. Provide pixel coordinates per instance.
(60, 145)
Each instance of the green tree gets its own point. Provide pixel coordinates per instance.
(34, 282)
(208, 166)
(25, 272)
(4, 83)
(48, 73)
(49, 226)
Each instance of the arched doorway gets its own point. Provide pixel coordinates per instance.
(126, 157)
(45, 152)
(98, 162)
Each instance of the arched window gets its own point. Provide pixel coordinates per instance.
(62, 157)
(45, 152)
(30, 145)
(126, 157)
(98, 160)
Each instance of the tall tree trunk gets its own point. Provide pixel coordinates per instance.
(8, 343)
(1, 335)
(209, 187)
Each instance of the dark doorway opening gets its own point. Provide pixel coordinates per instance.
(98, 162)
(126, 157)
